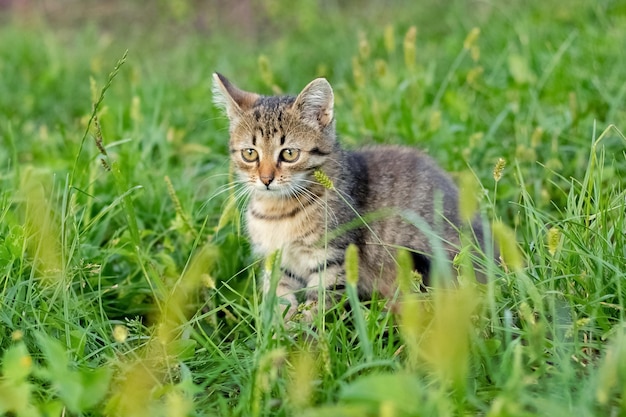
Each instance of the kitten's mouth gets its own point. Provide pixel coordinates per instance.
(272, 191)
(268, 189)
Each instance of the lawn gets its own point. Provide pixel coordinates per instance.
(127, 285)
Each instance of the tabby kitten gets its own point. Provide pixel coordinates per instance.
(277, 143)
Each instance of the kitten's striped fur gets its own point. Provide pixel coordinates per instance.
(276, 145)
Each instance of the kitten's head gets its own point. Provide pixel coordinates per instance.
(277, 142)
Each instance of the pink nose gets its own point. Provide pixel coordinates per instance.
(267, 179)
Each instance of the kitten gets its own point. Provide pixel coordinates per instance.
(277, 143)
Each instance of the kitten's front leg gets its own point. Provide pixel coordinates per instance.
(285, 291)
(329, 284)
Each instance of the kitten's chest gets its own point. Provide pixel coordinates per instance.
(286, 225)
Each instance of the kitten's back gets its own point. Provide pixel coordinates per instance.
(414, 191)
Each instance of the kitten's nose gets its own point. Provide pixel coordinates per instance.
(267, 179)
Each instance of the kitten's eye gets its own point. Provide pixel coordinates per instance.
(249, 155)
(290, 155)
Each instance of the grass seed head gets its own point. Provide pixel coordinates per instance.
(404, 271)
(389, 39)
(468, 192)
(498, 169)
(410, 50)
(302, 375)
(554, 238)
(437, 332)
(471, 38)
(323, 179)
(510, 253)
(41, 225)
(352, 264)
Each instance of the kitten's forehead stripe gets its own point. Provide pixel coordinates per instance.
(269, 115)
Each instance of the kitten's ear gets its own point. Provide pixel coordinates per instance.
(230, 98)
(315, 103)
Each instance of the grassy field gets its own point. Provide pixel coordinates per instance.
(127, 286)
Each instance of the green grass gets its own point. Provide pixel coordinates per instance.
(127, 286)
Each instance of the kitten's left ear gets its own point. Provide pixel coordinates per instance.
(230, 98)
(315, 103)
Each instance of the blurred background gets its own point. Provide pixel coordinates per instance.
(527, 85)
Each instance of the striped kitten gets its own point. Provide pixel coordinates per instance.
(278, 143)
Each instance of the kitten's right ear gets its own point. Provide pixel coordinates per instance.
(315, 103)
(230, 98)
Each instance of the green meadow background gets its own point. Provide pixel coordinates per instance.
(127, 286)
